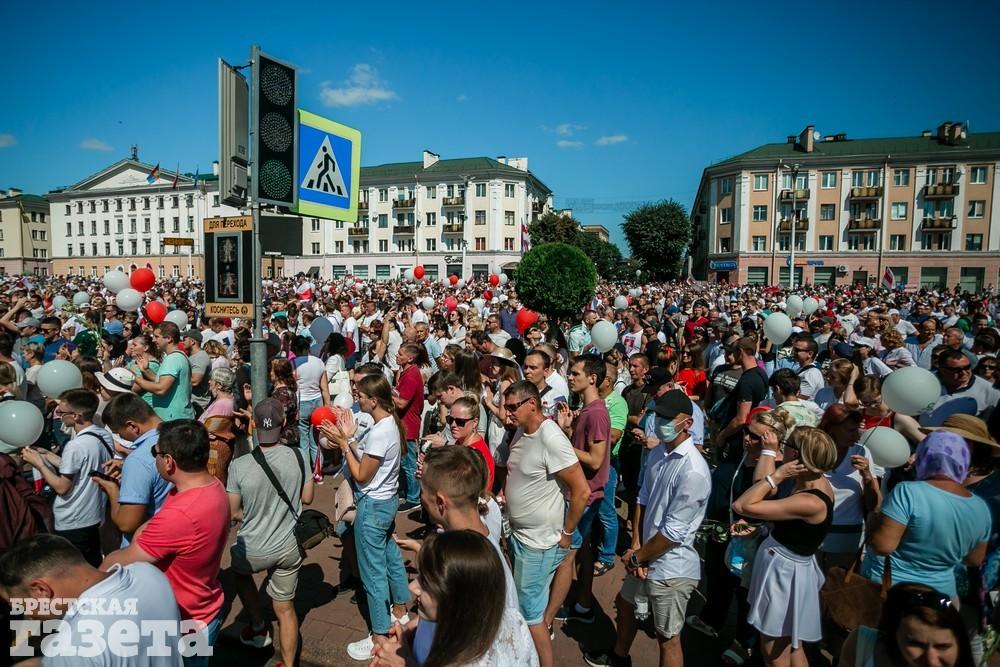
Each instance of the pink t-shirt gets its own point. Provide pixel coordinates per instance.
(411, 387)
(594, 425)
(187, 538)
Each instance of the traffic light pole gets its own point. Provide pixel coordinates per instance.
(258, 344)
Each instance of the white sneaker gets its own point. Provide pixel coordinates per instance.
(361, 650)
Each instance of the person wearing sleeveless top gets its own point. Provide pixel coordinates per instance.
(786, 580)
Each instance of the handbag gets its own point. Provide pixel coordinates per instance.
(849, 600)
(311, 526)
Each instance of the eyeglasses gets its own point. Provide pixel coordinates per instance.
(801, 349)
(750, 435)
(458, 421)
(957, 369)
(511, 407)
(156, 452)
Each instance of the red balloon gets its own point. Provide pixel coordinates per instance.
(453, 279)
(487, 295)
(494, 279)
(155, 312)
(451, 303)
(321, 414)
(525, 318)
(142, 280)
(350, 347)
(418, 271)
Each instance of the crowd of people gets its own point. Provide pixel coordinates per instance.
(690, 453)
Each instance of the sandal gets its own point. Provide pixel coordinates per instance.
(735, 655)
(602, 568)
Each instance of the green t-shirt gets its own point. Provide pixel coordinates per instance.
(154, 366)
(618, 411)
(176, 403)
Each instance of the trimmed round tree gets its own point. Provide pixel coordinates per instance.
(556, 279)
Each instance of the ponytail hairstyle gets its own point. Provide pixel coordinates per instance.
(778, 420)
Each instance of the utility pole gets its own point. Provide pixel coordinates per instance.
(794, 226)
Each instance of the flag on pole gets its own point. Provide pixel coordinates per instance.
(177, 173)
(888, 279)
(153, 175)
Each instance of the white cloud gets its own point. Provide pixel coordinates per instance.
(567, 129)
(7, 140)
(363, 87)
(611, 139)
(461, 98)
(566, 143)
(93, 144)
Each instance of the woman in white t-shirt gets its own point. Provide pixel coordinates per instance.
(374, 466)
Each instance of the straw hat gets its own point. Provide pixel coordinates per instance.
(502, 355)
(973, 429)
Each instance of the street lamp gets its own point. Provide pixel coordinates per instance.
(794, 226)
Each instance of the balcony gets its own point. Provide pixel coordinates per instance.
(864, 225)
(453, 201)
(362, 205)
(404, 229)
(940, 224)
(789, 195)
(940, 191)
(800, 226)
(865, 193)
(358, 231)
(403, 203)
(454, 228)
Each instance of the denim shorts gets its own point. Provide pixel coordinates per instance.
(586, 523)
(533, 571)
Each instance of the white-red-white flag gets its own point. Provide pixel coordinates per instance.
(888, 279)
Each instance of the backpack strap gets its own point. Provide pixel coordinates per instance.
(107, 447)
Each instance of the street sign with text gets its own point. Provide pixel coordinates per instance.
(229, 266)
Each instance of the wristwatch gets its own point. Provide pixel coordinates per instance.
(633, 561)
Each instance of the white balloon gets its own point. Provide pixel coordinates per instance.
(777, 328)
(888, 446)
(634, 292)
(621, 303)
(809, 306)
(638, 272)
(129, 300)
(603, 335)
(822, 303)
(503, 298)
(178, 317)
(503, 278)
(115, 281)
(408, 275)
(57, 376)
(58, 301)
(445, 282)
(793, 305)
(479, 303)
(343, 401)
(22, 423)
(427, 303)
(911, 390)
(81, 298)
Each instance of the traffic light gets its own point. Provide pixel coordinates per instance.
(234, 134)
(275, 169)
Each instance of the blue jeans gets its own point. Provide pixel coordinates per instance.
(306, 440)
(380, 562)
(409, 473)
(212, 630)
(609, 521)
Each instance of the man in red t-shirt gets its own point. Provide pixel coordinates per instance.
(187, 537)
(409, 400)
(696, 320)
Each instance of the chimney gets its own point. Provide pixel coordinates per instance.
(502, 159)
(944, 131)
(791, 138)
(926, 134)
(806, 139)
(430, 159)
(518, 163)
(215, 167)
(957, 132)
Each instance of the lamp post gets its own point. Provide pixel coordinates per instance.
(794, 225)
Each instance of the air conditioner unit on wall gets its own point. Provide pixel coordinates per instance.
(842, 268)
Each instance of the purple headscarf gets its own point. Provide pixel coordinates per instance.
(943, 453)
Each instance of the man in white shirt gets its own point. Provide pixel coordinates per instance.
(672, 504)
(805, 349)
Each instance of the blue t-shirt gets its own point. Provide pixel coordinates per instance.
(941, 529)
(141, 484)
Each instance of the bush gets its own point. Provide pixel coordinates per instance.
(556, 279)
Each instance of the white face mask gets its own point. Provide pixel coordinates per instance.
(666, 430)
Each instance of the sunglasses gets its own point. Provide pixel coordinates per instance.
(931, 599)
(957, 369)
(753, 437)
(458, 421)
(511, 407)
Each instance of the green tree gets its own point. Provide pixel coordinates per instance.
(658, 235)
(554, 228)
(556, 279)
(606, 256)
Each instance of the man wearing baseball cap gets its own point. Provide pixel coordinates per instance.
(265, 540)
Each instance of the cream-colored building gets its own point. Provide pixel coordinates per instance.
(25, 242)
(923, 206)
(460, 216)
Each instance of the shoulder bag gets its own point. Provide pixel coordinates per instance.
(311, 526)
(849, 600)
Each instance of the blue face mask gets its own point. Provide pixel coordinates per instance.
(666, 430)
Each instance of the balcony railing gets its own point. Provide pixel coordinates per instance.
(789, 195)
(866, 193)
(940, 191)
(403, 203)
(862, 225)
(942, 224)
(786, 225)
(403, 229)
(454, 228)
(453, 201)
(363, 205)
(357, 231)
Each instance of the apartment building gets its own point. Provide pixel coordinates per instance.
(24, 234)
(462, 216)
(923, 206)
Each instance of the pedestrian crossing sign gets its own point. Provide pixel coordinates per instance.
(329, 168)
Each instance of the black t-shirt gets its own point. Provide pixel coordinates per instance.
(752, 388)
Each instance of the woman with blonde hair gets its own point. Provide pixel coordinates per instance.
(894, 354)
(839, 376)
(786, 580)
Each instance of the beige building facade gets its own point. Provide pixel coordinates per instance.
(25, 242)
(924, 207)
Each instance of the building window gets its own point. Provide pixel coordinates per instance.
(431, 245)
(120, 227)
(147, 244)
(69, 249)
(79, 227)
(900, 177)
(801, 182)
(79, 207)
(947, 175)
(107, 248)
(857, 178)
(315, 224)
(977, 176)
(159, 226)
(159, 202)
(189, 200)
(131, 225)
(861, 242)
(508, 190)
(784, 242)
(725, 244)
(432, 219)
(383, 220)
(107, 227)
(145, 225)
(760, 213)
(69, 229)
(977, 208)
(480, 243)
(176, 226)
(432, 192)
(69, 210)
(480, 217)
(480, 189)
(383, 194)
(338, 247)
(508, 218)
(759, 243)
(932, 176)
(315, 248)
(121, 248)
(936, 241)
(974, 242)
(726, 186)
(508, 243)
(897, 242)
(726, 215)
(827, 211)
(190, 226)
(828, 180)
(899, 210)
(383, 245)
(759, 182)
(874, 178)
(93, 249)
(826, 242)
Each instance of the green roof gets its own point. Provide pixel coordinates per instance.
(441, 169)
(855, 147)
(37, 200)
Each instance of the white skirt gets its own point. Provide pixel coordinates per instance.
(784, 594)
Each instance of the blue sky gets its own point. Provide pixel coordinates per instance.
(610, 104)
